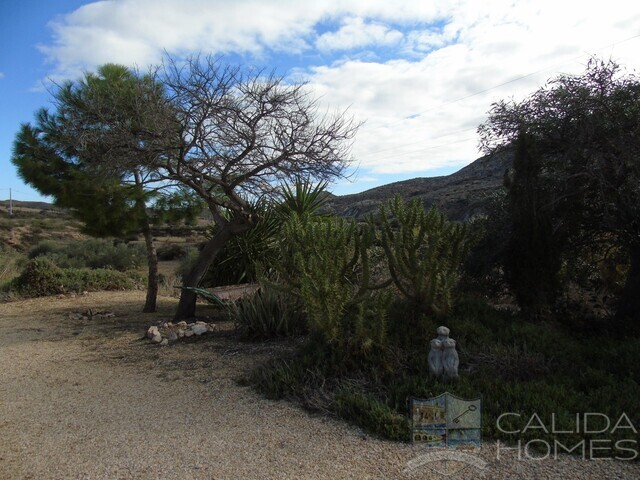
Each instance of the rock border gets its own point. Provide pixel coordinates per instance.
(169, 332)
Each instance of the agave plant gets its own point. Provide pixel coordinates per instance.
(303, 199)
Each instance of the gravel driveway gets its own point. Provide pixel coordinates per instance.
(90, 399)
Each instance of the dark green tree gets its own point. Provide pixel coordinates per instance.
(51, 156)
(586, 132)
(533, 253)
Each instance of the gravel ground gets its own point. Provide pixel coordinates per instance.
(89, 399)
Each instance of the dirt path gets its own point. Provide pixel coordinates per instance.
(90, 399)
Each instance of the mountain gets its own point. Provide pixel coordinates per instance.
(460, 195)
(18, 204)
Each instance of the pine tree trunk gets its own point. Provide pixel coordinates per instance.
(152, 276)
(152, 256)
(187, 305)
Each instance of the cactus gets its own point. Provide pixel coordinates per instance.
(327, 265)
(424, 252)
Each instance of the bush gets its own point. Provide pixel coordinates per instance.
(425, 253)
(269, 314)
(81, 279)
(372, 415)
(326, 264)
(92, 253)
(42, 277)
(43, 248)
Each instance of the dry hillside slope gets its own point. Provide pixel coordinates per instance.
(459, 195)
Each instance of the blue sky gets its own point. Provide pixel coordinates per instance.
(421, 75)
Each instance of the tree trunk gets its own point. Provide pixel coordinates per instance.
(187, 305)
(152, 256)
(629, 304)
(152, 276)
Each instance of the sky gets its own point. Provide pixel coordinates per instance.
(420, 74)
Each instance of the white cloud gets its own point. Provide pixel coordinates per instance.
(422, 112)
(138, 31)
(421, 105)
(355, 32)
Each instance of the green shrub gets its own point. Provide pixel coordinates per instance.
(372, 415)
(40, 277)
(43, 248)
(326, 264)
(92, 253)
(267, 314)
(81, 279)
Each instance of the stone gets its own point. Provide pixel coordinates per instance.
(200, 322)
(157, 338)
(198, 329)
(443, 358)
(164, 342)
(211, 327)
(180, 333)
(188, 333)
(153, 331)
(172, 336)
(181, 324)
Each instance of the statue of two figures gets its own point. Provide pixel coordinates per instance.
(443, 358)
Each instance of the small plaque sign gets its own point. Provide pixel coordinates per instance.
(446, 421)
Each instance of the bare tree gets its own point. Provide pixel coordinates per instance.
(231, 135)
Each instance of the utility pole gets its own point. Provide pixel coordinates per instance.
(10, 204)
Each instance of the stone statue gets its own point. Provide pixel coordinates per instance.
(450, 359)
(435, 358)
(443, 359)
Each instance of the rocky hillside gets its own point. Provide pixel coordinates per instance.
(460, 195)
